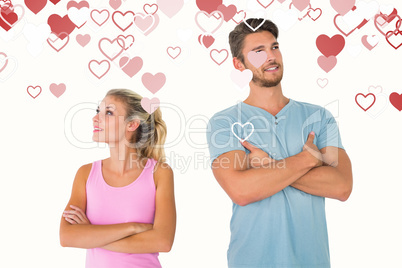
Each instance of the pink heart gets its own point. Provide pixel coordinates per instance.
(131, 66)
(150, 105)
(370, 41)
(125, 41)
(301, 4)
(83, 40)
(111, 45)
(257, 59)
(57, 90)
(241, 78)
(327, 63)
(98, 68)
(239, 16)
(214, 15)
(150, 9)
(77, 5)
(115, 4)
(173, 52)
(30, 90)
(171, 7)
(153, 82)
(120, 19)
(5, 62)
(219, 56)
(342, 6)
(100, 17)
(144, 22)
(265, 3)
(58, 43)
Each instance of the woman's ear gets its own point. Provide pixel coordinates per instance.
(133, 125)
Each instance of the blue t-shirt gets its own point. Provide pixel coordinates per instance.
(287, 229)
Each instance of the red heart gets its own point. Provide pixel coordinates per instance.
(7, 19)
(227, 11)
(395, 43)
(206, 40)
(396, 100)
(387, 19)
(330, 46)
(35, 5)
(60, 25)
(347, 34)
(365, 96)
(208, 5)
(54, 1)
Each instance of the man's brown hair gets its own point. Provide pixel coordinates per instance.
(239, 33)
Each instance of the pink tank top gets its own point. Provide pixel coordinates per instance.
(110, 205)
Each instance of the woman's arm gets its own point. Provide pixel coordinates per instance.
(84, 234)
(160, 237)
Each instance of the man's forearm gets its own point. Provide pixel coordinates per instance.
(326, 181)
(254, 184)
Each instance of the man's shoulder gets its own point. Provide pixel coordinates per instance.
(229, 111)
(306, 106)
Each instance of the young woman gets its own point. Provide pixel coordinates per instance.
(122, 209)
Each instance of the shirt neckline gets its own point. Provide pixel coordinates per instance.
(283, 110)
(126, 186)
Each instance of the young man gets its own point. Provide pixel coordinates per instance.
(277, 159)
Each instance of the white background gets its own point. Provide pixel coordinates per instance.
(45, 140)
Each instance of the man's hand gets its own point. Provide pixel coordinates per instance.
(314, 154)
(256, 157)
(75, 216)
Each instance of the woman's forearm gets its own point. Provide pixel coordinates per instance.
(91, 236)
(146, 242)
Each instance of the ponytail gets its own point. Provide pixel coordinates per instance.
(149, 138)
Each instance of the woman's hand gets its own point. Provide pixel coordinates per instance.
(75, 216)
(256, 157)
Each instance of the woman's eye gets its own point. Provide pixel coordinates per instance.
(97, 111)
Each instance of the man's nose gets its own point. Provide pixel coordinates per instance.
(270, 56)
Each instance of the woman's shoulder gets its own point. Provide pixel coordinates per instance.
(162, 170)
(84, 171)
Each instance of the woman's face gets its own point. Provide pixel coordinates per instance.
(109, 119)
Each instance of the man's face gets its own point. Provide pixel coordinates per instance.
(270, 73)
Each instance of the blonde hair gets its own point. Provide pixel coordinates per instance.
(149, 138)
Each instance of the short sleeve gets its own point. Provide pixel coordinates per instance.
(329, 133)
(220, 136)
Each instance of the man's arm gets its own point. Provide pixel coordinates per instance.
(245, 186)
(333, 180)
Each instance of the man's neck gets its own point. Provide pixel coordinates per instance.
(270, 99)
